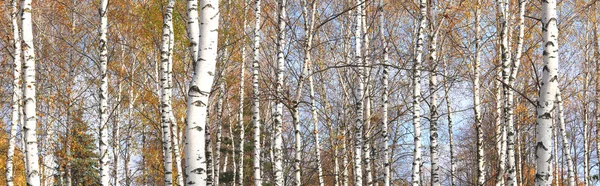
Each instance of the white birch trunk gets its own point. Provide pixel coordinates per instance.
(256, 96)
(547, 95)
(210, 172)
(104, 161)
(177, 152)
(384, 98)
(565, 142)
(450, 130)
(433, 112)
(309, 22)
(200, 87)
(477, 101)
(417, 159)
(278, 136)
(116, 135)
(358, 128)
(166, 92)
(502, 87)
(366, 147)
(17, 94)
(239, 168)
(217, 163)
(514, 67)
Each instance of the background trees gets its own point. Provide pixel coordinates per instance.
(68, 59)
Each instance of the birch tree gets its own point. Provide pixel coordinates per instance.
(384, 98)
(17, 95)
(239, 172)
(358, 142)
(256, 95)
(104, 161)
(548, 90)
(433, 99)
(416, 94)
(504, 74)
(477, 101)
(200, 86)
(278, 138)
(565, 142)
(309, 24)
(450, 130)
(166, 91)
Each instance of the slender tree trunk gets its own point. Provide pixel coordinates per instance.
(177, 152)
(166, 92)
(450, 130)
(239, 172)
(477, 101)
(555, 150)
(358, 128)
(433, 105)
(512, 165)
(198, 93)
(586, 131)
(384, 98)
(565, 143)
(256, 95)
(500, 134)
(209, 153)
(417, 159)
(309, 26)
(278, 136)
(116, 145)
(219, 123)
(505, 73)
(366, 147)
(104, 161)
(548, 90)
(17, 94)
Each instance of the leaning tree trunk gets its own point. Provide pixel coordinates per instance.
(17, 94)
(384, 99)
(565, 141)
(417, 159)
(547, 95)
(309, 23)
(278, 135)
(360, 91)
(166, 92)
(255, 97)
(200, 87)
(104, 161)
(477, 101)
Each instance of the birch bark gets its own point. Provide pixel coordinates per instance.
(358, 128)
(17, 94)
(200, 86)
(166, 92)
(477, 101)
(384, 97)
(104, 161)
(278, 138)
(547, 95)
(565, 141)
(256, 95)
(417, 159)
